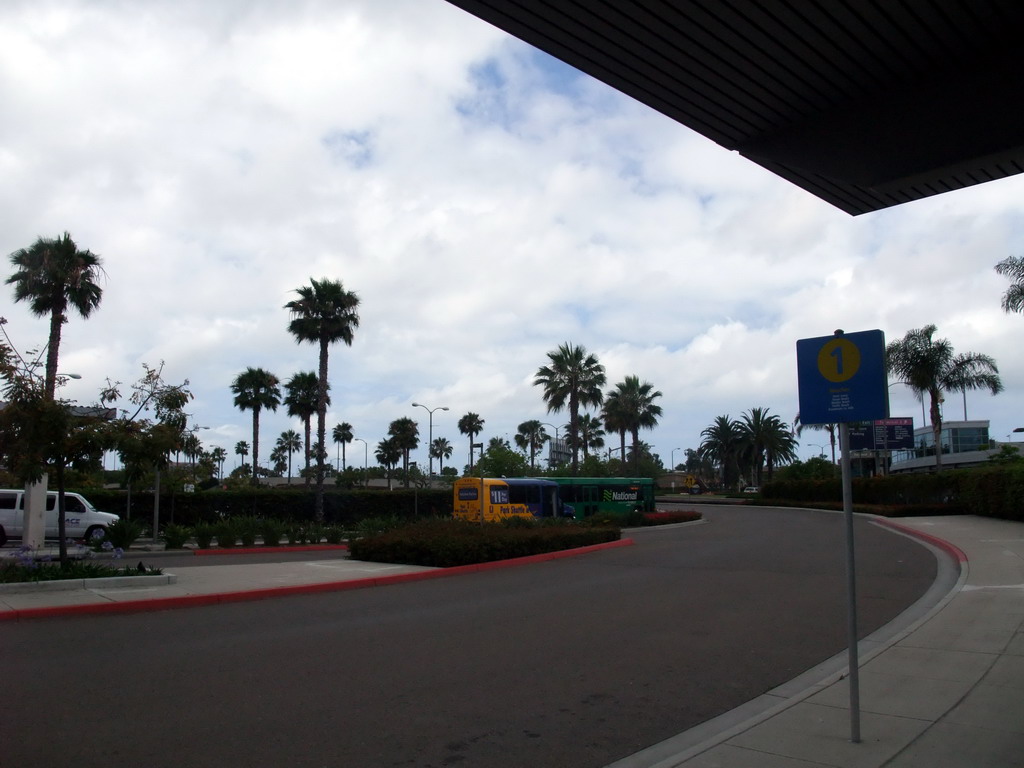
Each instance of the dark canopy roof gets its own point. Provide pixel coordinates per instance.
(864, 103)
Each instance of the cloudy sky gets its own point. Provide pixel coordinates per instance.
(486, 203)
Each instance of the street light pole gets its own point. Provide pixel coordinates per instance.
(673, 467)
(366, 453)
(430, 439)
(551, 460)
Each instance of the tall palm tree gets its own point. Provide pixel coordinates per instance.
(342, 435)
(290, 442)
(928, 366)
(636, 409)
(531, 437)
(323, 314)
(54, 276)
(388, 455)
(721, 444)
(573, 378)
(765, 438)
(441, 449)
(471, 424)
(242, 449)
(1013, 268)
(615, 422)
(218, 456)
(591, 433)
(281, 460)
(302, 396)
(405, 435)
(256, 389)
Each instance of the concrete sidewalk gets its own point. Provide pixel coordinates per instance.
(946, 691)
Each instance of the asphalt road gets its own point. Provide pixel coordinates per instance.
(573, 662)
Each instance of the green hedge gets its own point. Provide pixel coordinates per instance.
(293, 505)
(989, 492)
(447, 543)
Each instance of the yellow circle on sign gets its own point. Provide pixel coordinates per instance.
(839, 360)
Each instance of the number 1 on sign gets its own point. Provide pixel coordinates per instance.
(838, 360)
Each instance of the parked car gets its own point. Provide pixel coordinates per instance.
(81, 519)
(751, 489)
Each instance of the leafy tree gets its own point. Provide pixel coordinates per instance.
(531, 437)
(1008, 454)
(1013, 268)
(573, 378)
(929, 367)
(815, 468)
(342, 435)
(471, 424)
(388, 454)
(635, 409)
(721, 445)
(405, 435)
(499, 460)
(256, 389)
(288, 443)
(54, 276)
(302, 396)
(323, 314)
(441, 449)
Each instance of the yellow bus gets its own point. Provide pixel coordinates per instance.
(527, 497)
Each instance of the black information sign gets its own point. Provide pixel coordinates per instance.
(882, 435)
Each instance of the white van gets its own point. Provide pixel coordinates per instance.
(81, 519)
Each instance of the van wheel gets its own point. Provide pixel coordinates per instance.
(92, 529)
(3, 536)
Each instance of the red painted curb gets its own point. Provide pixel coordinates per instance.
(187, 601)
(266, 550)
(958, 554)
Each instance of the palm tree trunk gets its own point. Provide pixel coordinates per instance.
(321, 430)
(52, 352)
(308, 433)
(936, 416)
(255, 441)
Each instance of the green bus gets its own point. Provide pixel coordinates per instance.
(606, 495)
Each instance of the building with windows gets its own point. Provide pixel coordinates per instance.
(963, 444)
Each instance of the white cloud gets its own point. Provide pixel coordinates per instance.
(486, 203)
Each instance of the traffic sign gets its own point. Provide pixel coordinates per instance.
(842, 378)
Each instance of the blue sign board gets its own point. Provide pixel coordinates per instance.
(842, 378)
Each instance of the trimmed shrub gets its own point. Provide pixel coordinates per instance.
(227, 533)
(203, 533)
(447, 543)
(248, 528)
(667, 518)
(272, 531)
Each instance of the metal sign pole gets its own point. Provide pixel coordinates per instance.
(851, 586)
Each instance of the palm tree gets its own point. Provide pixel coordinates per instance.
(636, 410)
(591, 433)
(323, 314)
(281, 459)
(471, 424)
(53, 275)
(405, 436)
(254, 390)
(721, 444)
(572, 378)
(218, 455)
(388, 455)
(764, 437)
(441, 449)
(830, 428)
(615, 422)
(242, 449)
(342, 435)
(1013, 268)
(531, 437)
(290, 441)
(928, 366)
(302, 398)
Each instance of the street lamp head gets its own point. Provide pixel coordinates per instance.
(417, 405)
(444, 407)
